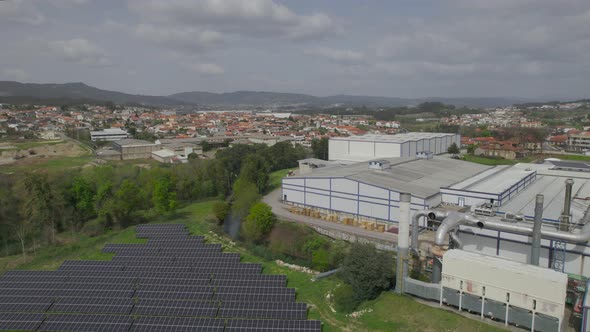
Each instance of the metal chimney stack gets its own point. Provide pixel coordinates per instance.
(567, 205)
(403, 241)
(536, 244)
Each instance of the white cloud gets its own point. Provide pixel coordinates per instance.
(14, 74)
(336, 55)
(179, 19)
(186, 37)
(21, 11)
(80, 51)
(67, 3)
(206, 68)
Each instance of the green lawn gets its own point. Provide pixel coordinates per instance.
(276, 177)
(574, 157)
(389, 312)
(28, 144)
(47, 164)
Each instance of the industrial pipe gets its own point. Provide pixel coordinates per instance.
(536, 243)
(567, 206)
(454, 219)
(430, 214)
(403, 239)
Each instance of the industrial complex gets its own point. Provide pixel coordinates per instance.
(506, 242)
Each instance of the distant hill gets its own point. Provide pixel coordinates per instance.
(15, 92)
(72, 92)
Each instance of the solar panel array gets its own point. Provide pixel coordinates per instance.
(174, 282)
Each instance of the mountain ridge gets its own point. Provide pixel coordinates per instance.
(12, 91)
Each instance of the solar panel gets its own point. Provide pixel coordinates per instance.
(247, 283)
(182, 282)
(263, 310)
(175, 308)
(141, 294)
(24, 299)
(253, 297)
(65, 322)
(23, 278)
(24, 307)
(20, 321)
(177, 324)
(93, 305)
(177, 282)
(273, 325)
(95, 293)
(31, 285)
(30, 292)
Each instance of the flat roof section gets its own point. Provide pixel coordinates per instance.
(553, 189)
(397, 138)
(495, 180)
(421, 177)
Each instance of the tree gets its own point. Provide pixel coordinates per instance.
(345, 299)
(124, 201)
(163, 198)
(81, 198)
(255, 169)
(221, 210)
(453, 149)
(245, 195)
(320, 148)
(367, 270)
(41, 206)
(259, 222)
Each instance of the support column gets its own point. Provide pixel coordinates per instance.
(536, 245)
(403, 241)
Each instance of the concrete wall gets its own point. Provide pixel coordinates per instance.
(366, 150)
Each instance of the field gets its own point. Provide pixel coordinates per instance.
(389, 312)
(33, 155)
(492, 161)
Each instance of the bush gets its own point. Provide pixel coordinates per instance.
(221, 210)
(345, 299)
(320, 259)
(367, 270)
(259, 222)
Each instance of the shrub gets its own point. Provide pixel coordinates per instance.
(259, 222)
(320, 259)
(345, 299)
(367, 270)
(221, 210)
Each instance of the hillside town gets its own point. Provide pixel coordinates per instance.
(511, 133)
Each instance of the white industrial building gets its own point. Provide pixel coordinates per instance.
(370, 191)
(368, 147)
(109, 134)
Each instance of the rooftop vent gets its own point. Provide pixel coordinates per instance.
(379, 164)
(424, 155)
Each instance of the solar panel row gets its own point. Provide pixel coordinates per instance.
(174, 282)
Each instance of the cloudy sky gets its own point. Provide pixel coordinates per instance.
(397, 48)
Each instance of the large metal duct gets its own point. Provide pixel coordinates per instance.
(403, 240)
(455, 219)
(536, 243)
(430, 214)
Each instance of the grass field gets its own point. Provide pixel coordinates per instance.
(573, 157)
(492, 161)
(389, 312)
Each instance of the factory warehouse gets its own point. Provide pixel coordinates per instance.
(529, 223)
